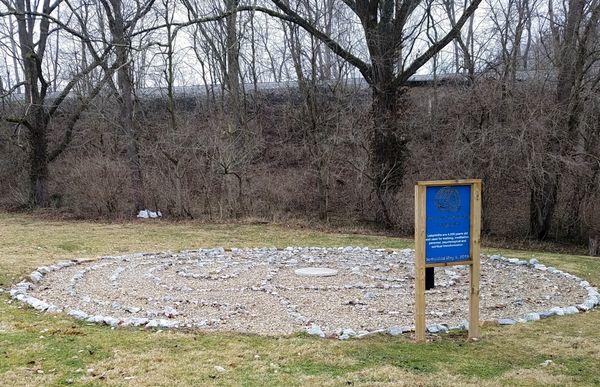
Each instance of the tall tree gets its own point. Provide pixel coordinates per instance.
(122, 24)
(574, 55)
(33, 31)
(389, 28)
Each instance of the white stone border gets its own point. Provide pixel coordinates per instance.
(20, 293)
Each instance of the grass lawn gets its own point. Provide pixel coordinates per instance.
(38, 348)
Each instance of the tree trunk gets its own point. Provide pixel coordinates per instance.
(38, 158)
(126, 108)
(128, 125)
(388, 148)
(233, 58)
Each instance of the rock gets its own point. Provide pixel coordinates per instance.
(39, 304)
(434, 328)
(349, 332)
(63, 264)
(513, 260)
(315, 272)
(170, 312)
(111, 321)
(462, 326)
(361, 334)
(36, 276)
(571, 310)
(315, 330)
(44, 269)
(162, 323)
(396, 330)
(541, 267)
(54, 309)
(20, 288)
(95, 319)
(219, 369)
(133, 309)
(506, 321)
(78, 314)
(546, 363)
(546, 314)
(135, 321)
(558, 311)
(532, 316)
(533, 261)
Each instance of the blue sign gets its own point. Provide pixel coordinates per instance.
(448, 224)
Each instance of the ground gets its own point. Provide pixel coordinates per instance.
(36, 348)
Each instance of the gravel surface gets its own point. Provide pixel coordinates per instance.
(258, 291)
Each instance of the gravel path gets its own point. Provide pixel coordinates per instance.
(258, 291)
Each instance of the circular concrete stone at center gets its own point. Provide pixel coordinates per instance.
(315, 272)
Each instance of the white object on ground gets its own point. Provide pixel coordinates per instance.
(145, 214)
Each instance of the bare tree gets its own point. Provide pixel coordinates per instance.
(33, 31)
(122, 24)
(574, 55)
(390, 28)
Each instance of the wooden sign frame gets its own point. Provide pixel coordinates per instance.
(473, 262)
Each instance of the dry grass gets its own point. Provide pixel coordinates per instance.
(37, 348)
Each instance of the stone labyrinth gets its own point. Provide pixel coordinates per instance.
(338, 292)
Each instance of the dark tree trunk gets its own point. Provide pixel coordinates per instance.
(38, 158)
(36, 117)
(126, 103)
(544, 196)
(388, 148)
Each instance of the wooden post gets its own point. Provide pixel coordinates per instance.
(420, 263)
(474, 328)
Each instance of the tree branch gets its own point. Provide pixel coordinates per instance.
(438, 46)
(77, 114)
(67, 89)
